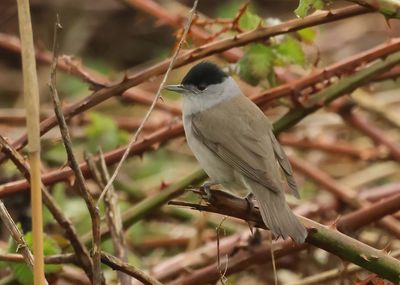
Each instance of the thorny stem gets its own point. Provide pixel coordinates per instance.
(97, 277)
(158, 94)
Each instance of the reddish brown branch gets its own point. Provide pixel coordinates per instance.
(334, 148)
(347, 66)
(97, 276)
(243, 259)
(82, 253)
(363, 125)
(111, 157)
(380, 192)
(261, 33)
(206, 255)
(96, 80)
(369, 214)
(117, 264)
(318, 235)
(196, 32)
(345, 194)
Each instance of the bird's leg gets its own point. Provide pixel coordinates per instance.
(255, 238)
(207, 189)
(250, 206)
(250, 202)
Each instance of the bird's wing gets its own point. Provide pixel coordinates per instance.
(285, 164)
(239, 134)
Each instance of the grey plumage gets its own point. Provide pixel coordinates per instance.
(233, 141)
(251, 159)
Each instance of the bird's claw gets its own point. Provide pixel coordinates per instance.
(255, 238)
(250, 202)
(207, 189)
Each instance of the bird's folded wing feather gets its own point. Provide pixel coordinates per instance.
(242, 139)
(285, 164)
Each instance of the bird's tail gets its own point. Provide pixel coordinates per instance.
(276, 214)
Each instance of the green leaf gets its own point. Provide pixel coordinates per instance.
(228, 9)
(307, 35)
(22, 272)
(71, 86)
(56, 154)
(290, 51)
(249, 21)
(256, 64)
(103, 131)
(306, 5)
(99, 65)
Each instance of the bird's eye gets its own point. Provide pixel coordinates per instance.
(201, 87)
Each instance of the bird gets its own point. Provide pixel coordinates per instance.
(234, 143)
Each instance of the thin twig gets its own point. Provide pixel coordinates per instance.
(70, 231)
(262, 33)
(106, 258)
(273, 260)
(330, 275)
(158, 94)
(221, 272)
(113, 215)
(361, 123)
(291, 118)
(374, 106)
(15, 233)
(150, 204)
(345, 247)
(51, 259)
(335, 148)
(80, 181)
(345, 194)
(117, 264)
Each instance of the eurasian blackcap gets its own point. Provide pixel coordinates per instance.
(233, 141)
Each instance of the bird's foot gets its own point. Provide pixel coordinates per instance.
(250, 202)
(255, 238)
(249, 243)
(207, 187)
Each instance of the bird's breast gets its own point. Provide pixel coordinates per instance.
(215, 167)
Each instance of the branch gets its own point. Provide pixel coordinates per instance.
(330, 275)
(372, 105)
(318, 235)
(118, 264)
(70, 231)
(337, 147)
(389, 8)
(369, 214)
(255, 255)
(158, 94)
(346, 66)
(174, 20)
(340, 88)
(51, 259)
(345, 194)
(107, 259)
(16, 235)
(113, 215)
(80, 181)
(362, 124)
(148, 205)
(201, 261)
(262, 33)
(93, 78)
(291, 118)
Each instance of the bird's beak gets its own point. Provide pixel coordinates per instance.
(176, 88)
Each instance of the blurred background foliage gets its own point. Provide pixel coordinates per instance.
(113, 39)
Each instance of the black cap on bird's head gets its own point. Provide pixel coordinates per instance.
(200, 77)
